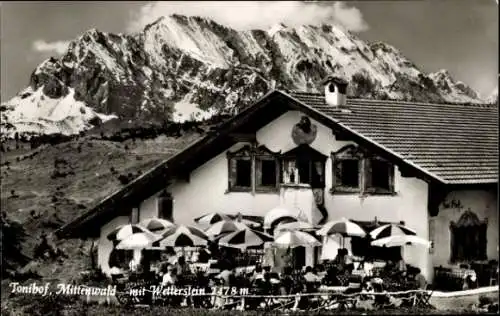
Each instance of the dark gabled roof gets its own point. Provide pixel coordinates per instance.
(441, 143)
(455, 143)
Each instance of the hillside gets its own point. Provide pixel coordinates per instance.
(49, 186)
(187, 68)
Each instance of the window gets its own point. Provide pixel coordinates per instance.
(355, 171)
(253, 168)
(243, 173)
(379, 176)
(347, 170)
(309, 163)
(468, 238)
(267, 173)
(165, 206)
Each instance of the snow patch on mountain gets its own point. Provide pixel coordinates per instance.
(184, 111)
(34, 112)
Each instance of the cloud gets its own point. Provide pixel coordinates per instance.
(245, 15)
(58, 47)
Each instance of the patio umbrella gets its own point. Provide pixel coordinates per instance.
(156, 224)
(292, 239)
(391, 230)
(401, 240)
(211, 218)
(225, 227)
(343, 227)
(330, 248)
(250, 223)
(275, 215)
(123, 231)
(298, 225)
(138, 241)
(182, 236)
(245, 238)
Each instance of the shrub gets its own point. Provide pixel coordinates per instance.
(123, 179)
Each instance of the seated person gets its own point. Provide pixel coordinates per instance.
(400, 266)
(133, 265)
(339, 259)
(226, 275)
(286, 281)
(320, 271)
(258, 273)
(420, 279)
(367, 266)
(169, 277)
(311, 279)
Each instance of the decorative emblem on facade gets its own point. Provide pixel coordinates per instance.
(304, 132)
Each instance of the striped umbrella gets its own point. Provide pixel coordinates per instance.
(244, 238)
(292, 239)
(343, 227)
(298, 225)
(156, 224)
(211, 218)
(401, 240)
(138, 241)
(123, 231)
(391, 230)
(225, 227)
(182, 236)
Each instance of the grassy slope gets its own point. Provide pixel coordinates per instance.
(56, 201)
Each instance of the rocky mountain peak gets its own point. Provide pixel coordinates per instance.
(186, 68)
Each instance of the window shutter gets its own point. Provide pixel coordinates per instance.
(134, 215)
(453, 243)
(258, 171)
(232, 172)
(366, 175)
(337, 172)
(483, 228)
(391, 177)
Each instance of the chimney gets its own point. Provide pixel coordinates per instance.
(335, 91)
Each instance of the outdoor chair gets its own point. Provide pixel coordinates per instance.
(422, 298)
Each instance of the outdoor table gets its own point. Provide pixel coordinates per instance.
(453, 279)
(333, 289)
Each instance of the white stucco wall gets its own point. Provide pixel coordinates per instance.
(483, 204)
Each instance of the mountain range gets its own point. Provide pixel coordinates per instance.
(182, 68)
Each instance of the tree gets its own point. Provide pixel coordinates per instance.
(13, 234)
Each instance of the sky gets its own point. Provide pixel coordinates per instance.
(458, 35)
